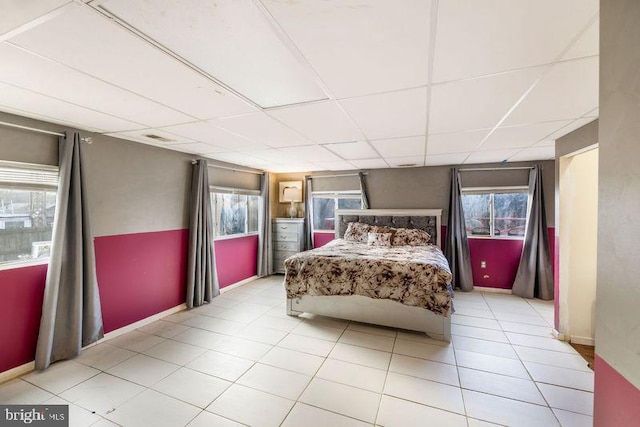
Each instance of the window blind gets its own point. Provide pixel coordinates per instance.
(26, 175)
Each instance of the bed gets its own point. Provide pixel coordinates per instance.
(407, 287)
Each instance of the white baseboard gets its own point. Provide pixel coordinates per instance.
(559, 336)
(238, 284)
(583, 340)
(494, 290)
(17, 371)
(140, 323)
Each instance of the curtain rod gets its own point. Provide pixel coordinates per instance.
(496, 169)
(48, 132)
(337, 176)
(194, 161)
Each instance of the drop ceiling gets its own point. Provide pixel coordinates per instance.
(309, 85)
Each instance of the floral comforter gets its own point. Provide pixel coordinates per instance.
(412, 275)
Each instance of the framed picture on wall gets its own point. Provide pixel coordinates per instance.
(290, 191)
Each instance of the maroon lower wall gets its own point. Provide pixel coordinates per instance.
(139, 275)
(21, 291)
(321, 239)
(236, 259)
(616, 400)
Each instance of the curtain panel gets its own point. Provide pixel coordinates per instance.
(265, 250)
(308, 214)
(457, 245)
(534, 278)
(202, 280)
(71, 312)
(364, 190)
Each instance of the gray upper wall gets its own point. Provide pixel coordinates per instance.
(133, 187)
(577, 140)
(428, 187)
(618, 288)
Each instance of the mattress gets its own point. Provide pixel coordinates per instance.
(412, 275)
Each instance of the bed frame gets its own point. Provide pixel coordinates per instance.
(380, 311)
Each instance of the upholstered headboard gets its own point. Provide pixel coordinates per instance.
(428, 220)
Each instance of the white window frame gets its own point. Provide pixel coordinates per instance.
(491, 191)
(344, 194)
(232, 190)
(21, 180)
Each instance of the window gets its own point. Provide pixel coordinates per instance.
(325, 205)
(27, 207)
(496, 213)
(235, 212)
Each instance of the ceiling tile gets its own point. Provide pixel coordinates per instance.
(490, 156)
(521, 136)
(237, 158)
(445, 159)
(231, 40)
(400, 147)
(390, 115)
(29, 103)
(322, 122)
(196, 148)
(34, 73)
(336, 166)
(545, 143)
(576, 124)
(311, 153)
(568, 91)
(353, 150)
(369, 164)
(536, 153)
(209, 133)
(364, 47)
(479, 38)
(588, 44)
(411, 161)
(264, 129)
(273, 156)
(457, 142)
(90, 43)
(22, 12)
(141, 135)
(294, 167)
(477, 103)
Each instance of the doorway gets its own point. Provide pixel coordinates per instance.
(578, 233)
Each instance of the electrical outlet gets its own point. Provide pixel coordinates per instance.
(483, 264)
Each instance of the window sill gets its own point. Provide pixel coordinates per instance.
(22, 264)
(234, 236)
(496, 237)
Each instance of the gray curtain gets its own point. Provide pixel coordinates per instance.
(457, 246)
(363, 190)
(71, 314)
(308, 214)
(534, 278)
(202, 281)
(265, 255)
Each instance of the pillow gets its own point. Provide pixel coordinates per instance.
(411, 237)
(379, 239)
(357, 232)
(384, 229)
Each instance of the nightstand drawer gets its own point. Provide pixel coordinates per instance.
(286, 246)
(285, 237)
(285, 228)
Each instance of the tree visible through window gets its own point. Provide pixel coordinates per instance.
(234, 213)
(27, 208)
(325, 205)
(495, 213)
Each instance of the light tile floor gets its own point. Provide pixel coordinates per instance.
(242, 360)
